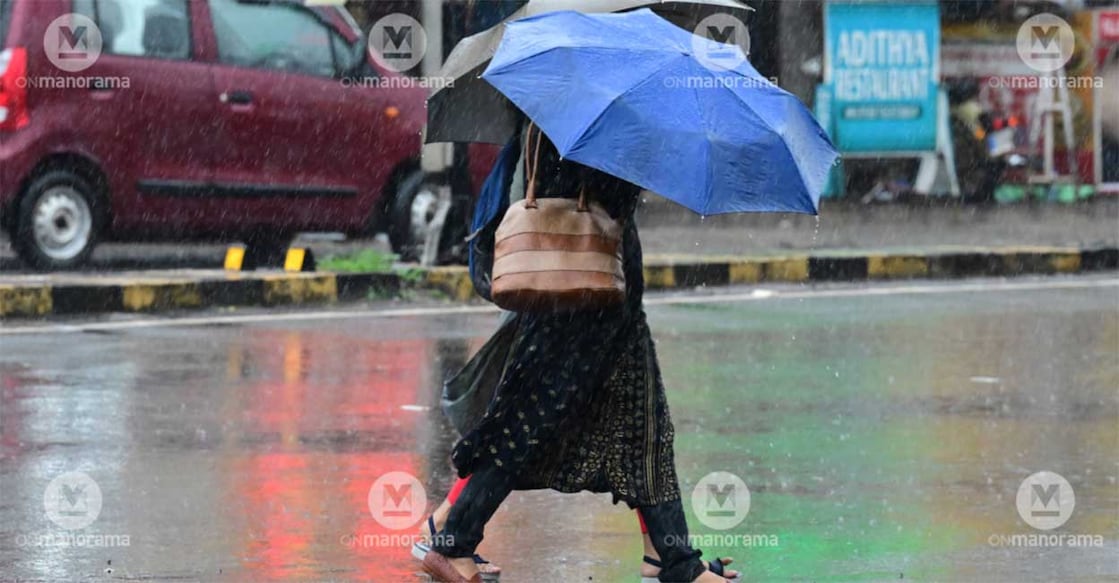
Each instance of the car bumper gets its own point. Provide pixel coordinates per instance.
(17, 158)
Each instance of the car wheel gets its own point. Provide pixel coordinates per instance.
(266, 250)
(411, 216)
(57, 222)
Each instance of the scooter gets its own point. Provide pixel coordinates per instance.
(984, 143)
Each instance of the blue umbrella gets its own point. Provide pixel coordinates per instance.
(641, 99)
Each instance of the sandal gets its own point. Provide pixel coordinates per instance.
(490, 572)
(716, 566)
(442, 571)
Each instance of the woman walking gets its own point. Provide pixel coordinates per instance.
(581, 405)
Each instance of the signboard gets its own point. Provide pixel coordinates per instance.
(882, 66)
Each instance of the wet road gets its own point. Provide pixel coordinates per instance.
(883, 434)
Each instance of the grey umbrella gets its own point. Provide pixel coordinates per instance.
(470, 110)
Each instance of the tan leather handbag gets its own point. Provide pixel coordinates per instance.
(556, 254)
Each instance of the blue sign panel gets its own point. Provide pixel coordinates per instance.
(882, 68)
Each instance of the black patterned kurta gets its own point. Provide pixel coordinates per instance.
(581, 405)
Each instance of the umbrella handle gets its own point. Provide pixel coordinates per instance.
(530, 174)
(530, 171)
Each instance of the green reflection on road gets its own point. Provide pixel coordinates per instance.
(879, 436)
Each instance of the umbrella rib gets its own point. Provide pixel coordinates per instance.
(707, 145)
(784, 144)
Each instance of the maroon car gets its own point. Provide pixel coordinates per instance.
(196, 119)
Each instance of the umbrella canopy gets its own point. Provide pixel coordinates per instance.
(627, 94)
(470, 110)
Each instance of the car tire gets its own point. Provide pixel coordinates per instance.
(58, 222)
(266, 250)
(410, 215)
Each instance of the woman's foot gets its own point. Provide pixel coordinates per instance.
(709, 577)
(651, 568)
(649, 571)
(446, 570)
(434, 524)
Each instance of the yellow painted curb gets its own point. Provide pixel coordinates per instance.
(25, 301)
(1059, 259)
(454, 281)
(1039, 260)
(300, 289)
(787, 269)
(660, 276)
(746, 271)
(896, 266)
(1065, 262)
(141, 297)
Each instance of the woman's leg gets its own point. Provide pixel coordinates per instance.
(668, 530)
(439, 517)
(456, 489)
(648, 570)
(479, 499)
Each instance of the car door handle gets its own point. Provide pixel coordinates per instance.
(237, 97)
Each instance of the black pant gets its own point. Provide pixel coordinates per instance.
(489, 487)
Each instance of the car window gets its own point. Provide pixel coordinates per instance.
(279, 36)
(158, 29)
(344, 55)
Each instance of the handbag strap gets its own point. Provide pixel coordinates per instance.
(530, 172)
(530, 169)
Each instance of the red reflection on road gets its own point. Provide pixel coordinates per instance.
(325, 423)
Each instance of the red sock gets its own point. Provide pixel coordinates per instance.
(641, 521)
(457, 489)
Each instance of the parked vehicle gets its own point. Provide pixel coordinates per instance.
(198, 119)
(984, 143)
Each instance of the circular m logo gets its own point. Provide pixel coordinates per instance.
(397, 500)
(1045, 42)
(397, 42)
(72, 500)
(1045, 500)
(721, 500)
(72, 42)
(721, 42)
